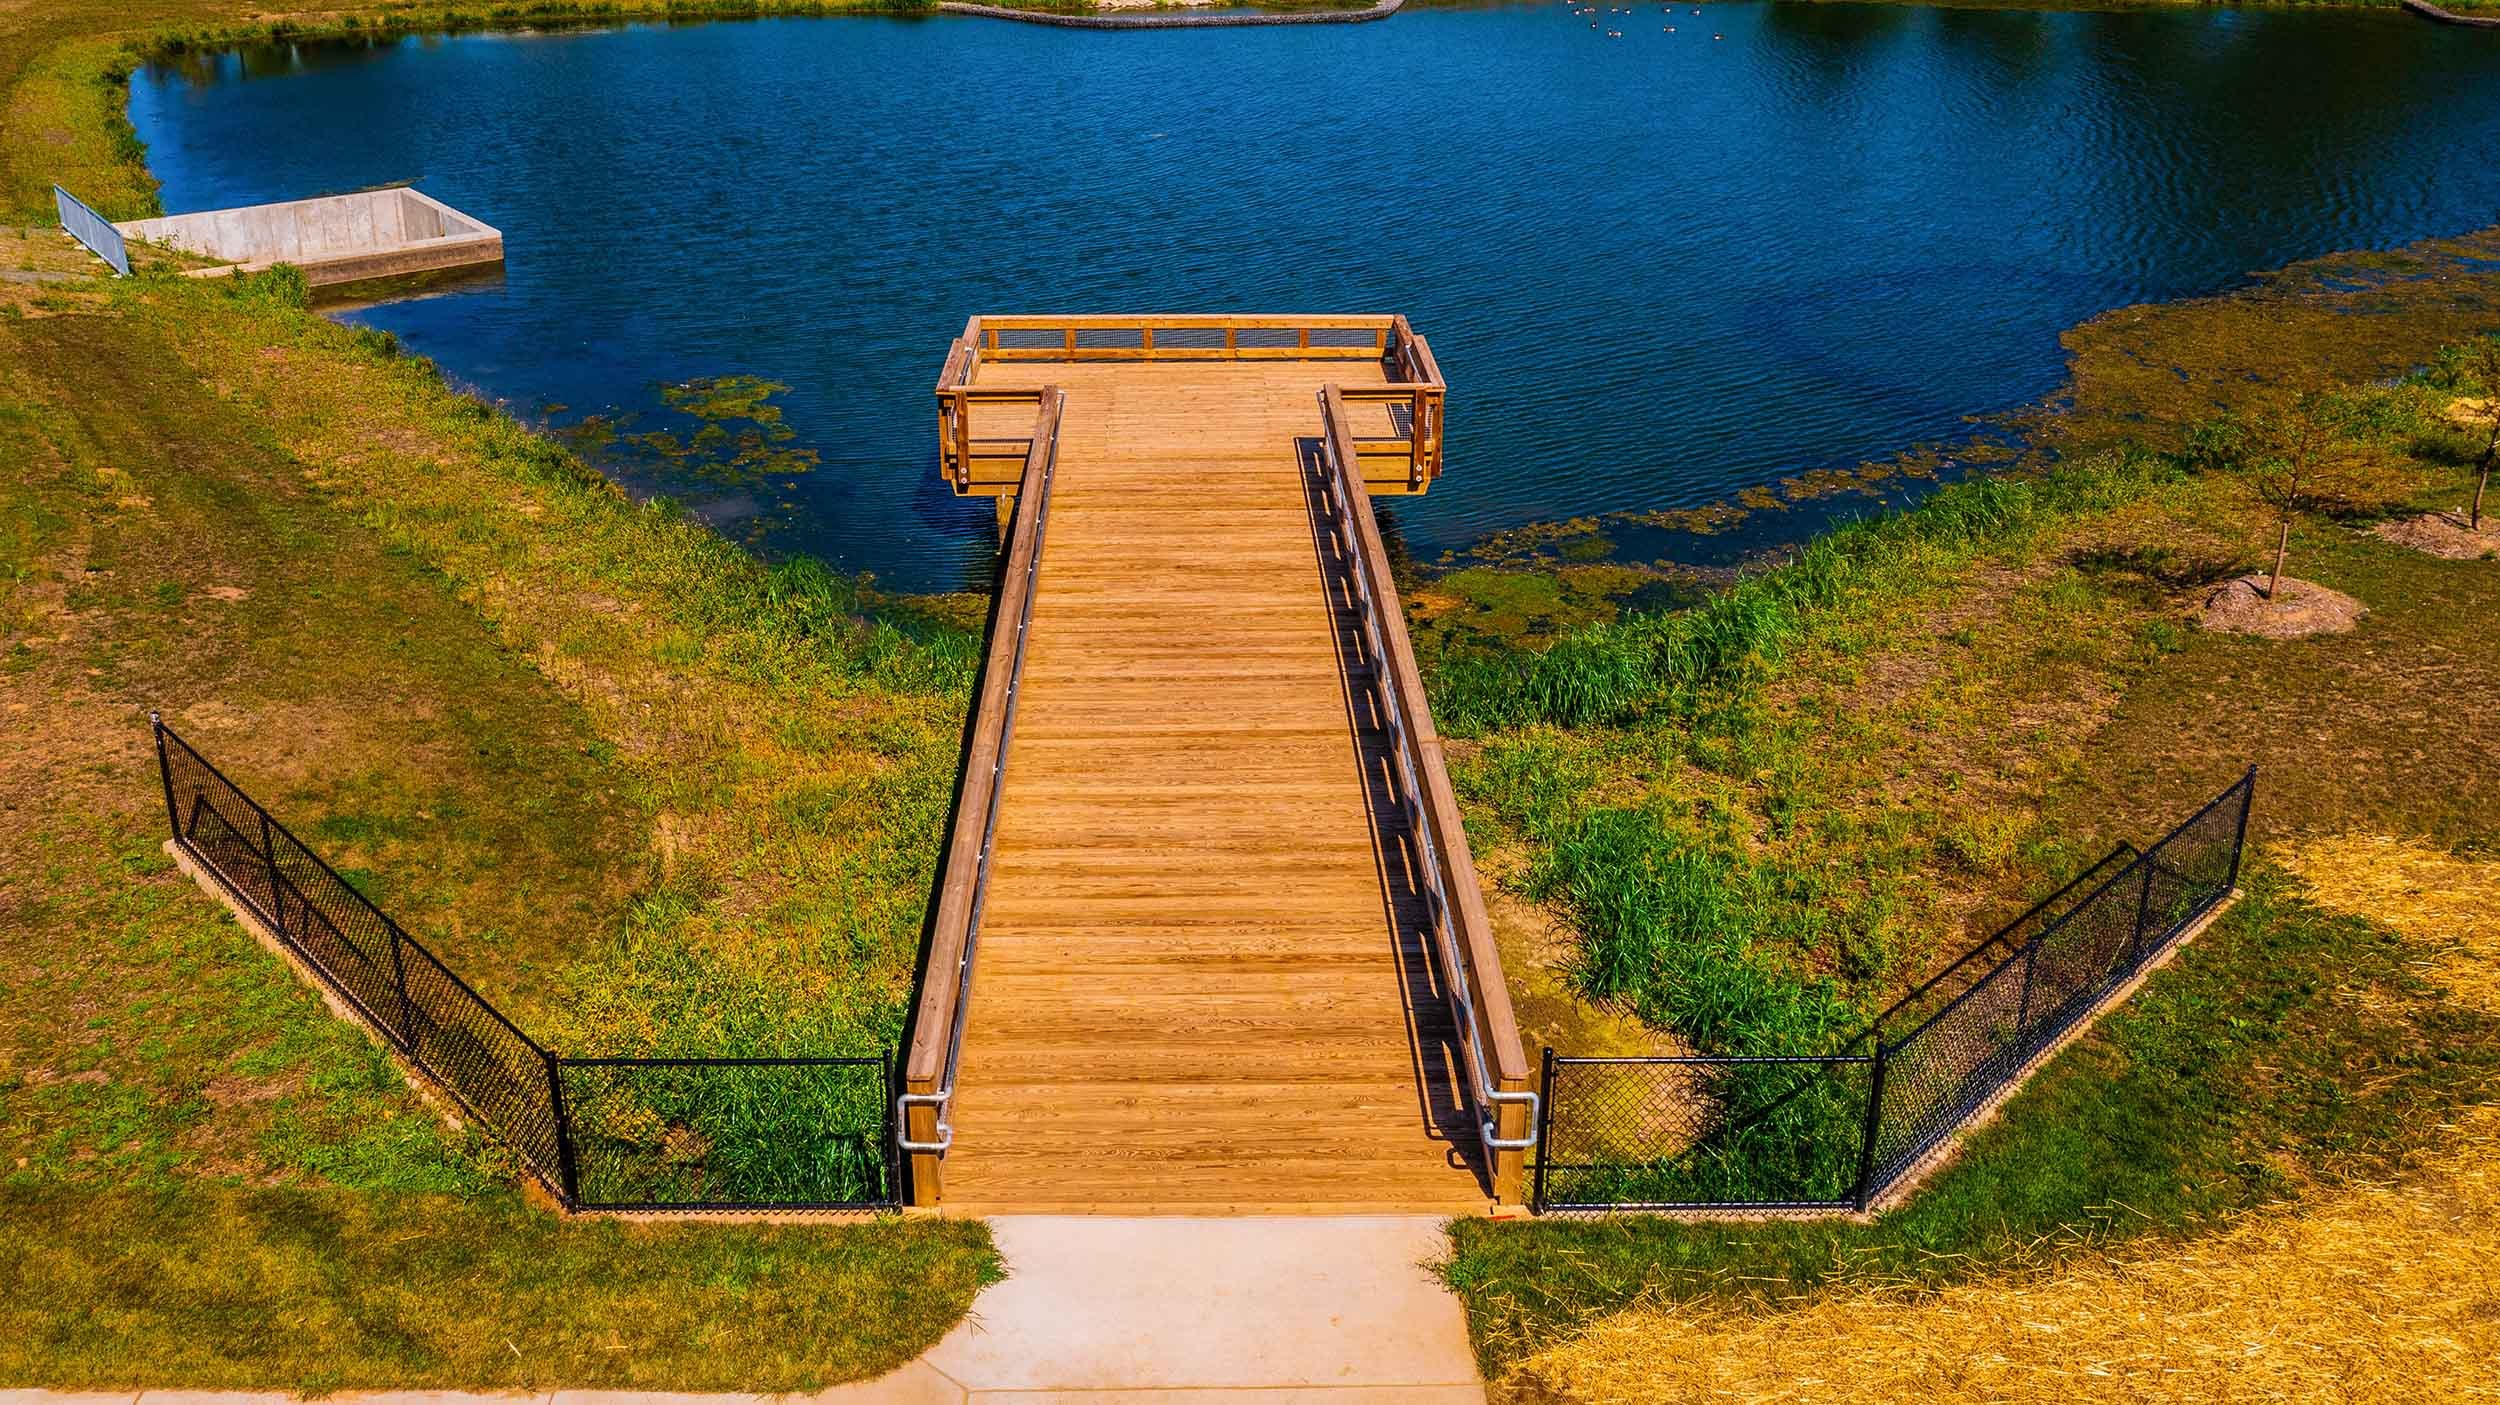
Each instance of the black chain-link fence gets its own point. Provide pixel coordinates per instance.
(1838, 1131)
(1700, 1132)
(791, 1133)
(602, 1134)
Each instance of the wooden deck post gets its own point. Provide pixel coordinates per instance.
(928, 1188)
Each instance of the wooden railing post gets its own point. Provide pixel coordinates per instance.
(928, 1188)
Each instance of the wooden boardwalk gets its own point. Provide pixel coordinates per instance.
(1203, 980)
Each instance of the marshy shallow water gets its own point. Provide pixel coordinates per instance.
(1657, 269)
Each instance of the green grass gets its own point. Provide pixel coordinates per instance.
(324, 1290)
(1762, 815)
(648, 794)
(2287, 1046)
(1636, 669)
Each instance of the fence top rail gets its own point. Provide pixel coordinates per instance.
(2247, 780)
(278, 827)
(957, 372)
(101, 236)
(2146, 858)
(1186, 321)
(1390, 391)
(1998, 938)
(2133, 868)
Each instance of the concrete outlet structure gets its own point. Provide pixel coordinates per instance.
(333, 239)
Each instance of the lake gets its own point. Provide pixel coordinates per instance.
(1656, 269)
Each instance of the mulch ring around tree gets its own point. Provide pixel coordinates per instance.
(2242, 607)
(2443, 534)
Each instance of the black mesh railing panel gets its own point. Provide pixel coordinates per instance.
(1341, 338)
(338, 931)
(1670, 1133)
(400, 989)
(1739, 1133)
(1268, 338)
(1032, 338)
(1110, 338)
(1933, 1079)
(1189, 338)
(730, 1133)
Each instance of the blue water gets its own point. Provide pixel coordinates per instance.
(1656, 268)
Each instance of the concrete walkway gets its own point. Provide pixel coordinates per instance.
(1100, 1309)
(1261, 1309)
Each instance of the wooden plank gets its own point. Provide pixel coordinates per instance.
(1204, 321)
(1199, 981)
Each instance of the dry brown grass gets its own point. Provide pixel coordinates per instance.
(2448, 905)
(2383, 1293)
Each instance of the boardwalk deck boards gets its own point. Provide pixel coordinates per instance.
(1202, 982)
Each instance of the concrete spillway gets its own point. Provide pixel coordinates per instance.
(333, 239)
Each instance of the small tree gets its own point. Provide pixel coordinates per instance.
(2299, 457)
(2480, 363)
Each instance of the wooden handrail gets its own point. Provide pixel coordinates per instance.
(937, 1028)
(1392, 339)
(1067, 347)
(1496, 1061)
(1201, 321)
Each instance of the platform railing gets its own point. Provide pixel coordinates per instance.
(1413, 381)
(924, 1108)
(1495, 1063)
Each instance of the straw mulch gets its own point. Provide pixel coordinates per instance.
(2375, 1293)
(2448, 906)
(2388, 1293)
(2442, 534)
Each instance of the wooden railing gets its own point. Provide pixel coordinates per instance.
(996, 465)
(1495, 1061)
(937, 1028)
(1406, 460)
(1181, 337)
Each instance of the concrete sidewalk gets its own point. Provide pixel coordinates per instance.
(1335, 1309)
(1176, 1311)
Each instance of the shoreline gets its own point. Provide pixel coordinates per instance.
(2437, 15)
(1159, 20)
